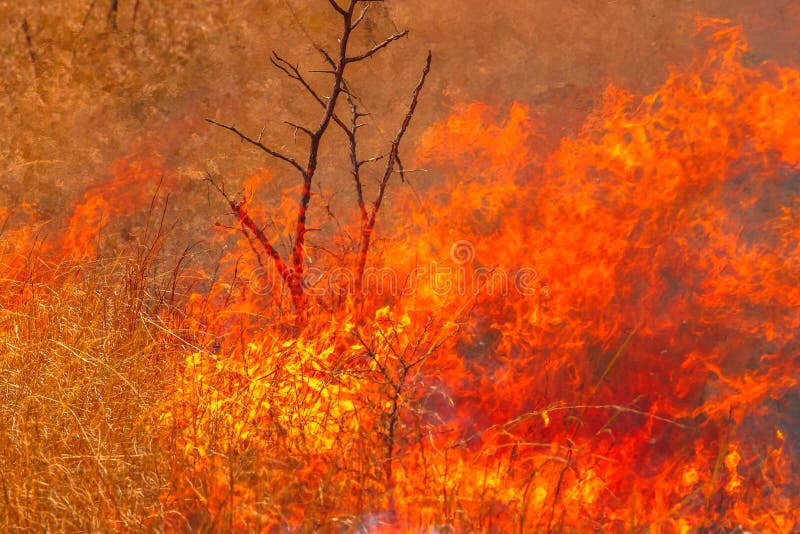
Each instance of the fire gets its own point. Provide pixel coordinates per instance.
(664, 238)
(732, 460)
(602, 335)
(131, 185)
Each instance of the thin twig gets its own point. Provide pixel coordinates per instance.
(274, 153)
(391, 161)
(378, 47)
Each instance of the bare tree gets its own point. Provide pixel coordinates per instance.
(291, 267)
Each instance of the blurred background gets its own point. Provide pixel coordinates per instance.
(88, 83)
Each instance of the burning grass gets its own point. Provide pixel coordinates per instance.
(603, 338)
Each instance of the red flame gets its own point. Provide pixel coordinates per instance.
(664, 240)
(130, 186)
(615, 340)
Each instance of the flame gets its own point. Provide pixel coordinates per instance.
(599, 336)
(664, 238)
(130, 186)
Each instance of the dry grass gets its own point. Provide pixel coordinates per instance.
(80, 374)
(113, 417)
(107, 425)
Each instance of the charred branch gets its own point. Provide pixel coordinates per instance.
(294, 73)
(291, 267)
(377, 48)
(392, 160)
(257, 143)
(252, 230)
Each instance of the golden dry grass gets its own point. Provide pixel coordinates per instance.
(80, 374)
(112, 418)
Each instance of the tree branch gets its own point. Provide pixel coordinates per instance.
(299, 127)
(316, 138)
(257, 142)
(391, 161)
(360, 18)
(337, 7)
(377, 48)
(355, 162)
(294, 73)
(291, 266)
(240, 210)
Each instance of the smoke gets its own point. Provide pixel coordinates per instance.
(79, 96)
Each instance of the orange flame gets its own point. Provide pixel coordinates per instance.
(131, 185)
(599, 337)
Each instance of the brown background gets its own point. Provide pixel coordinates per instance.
(91, 93)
